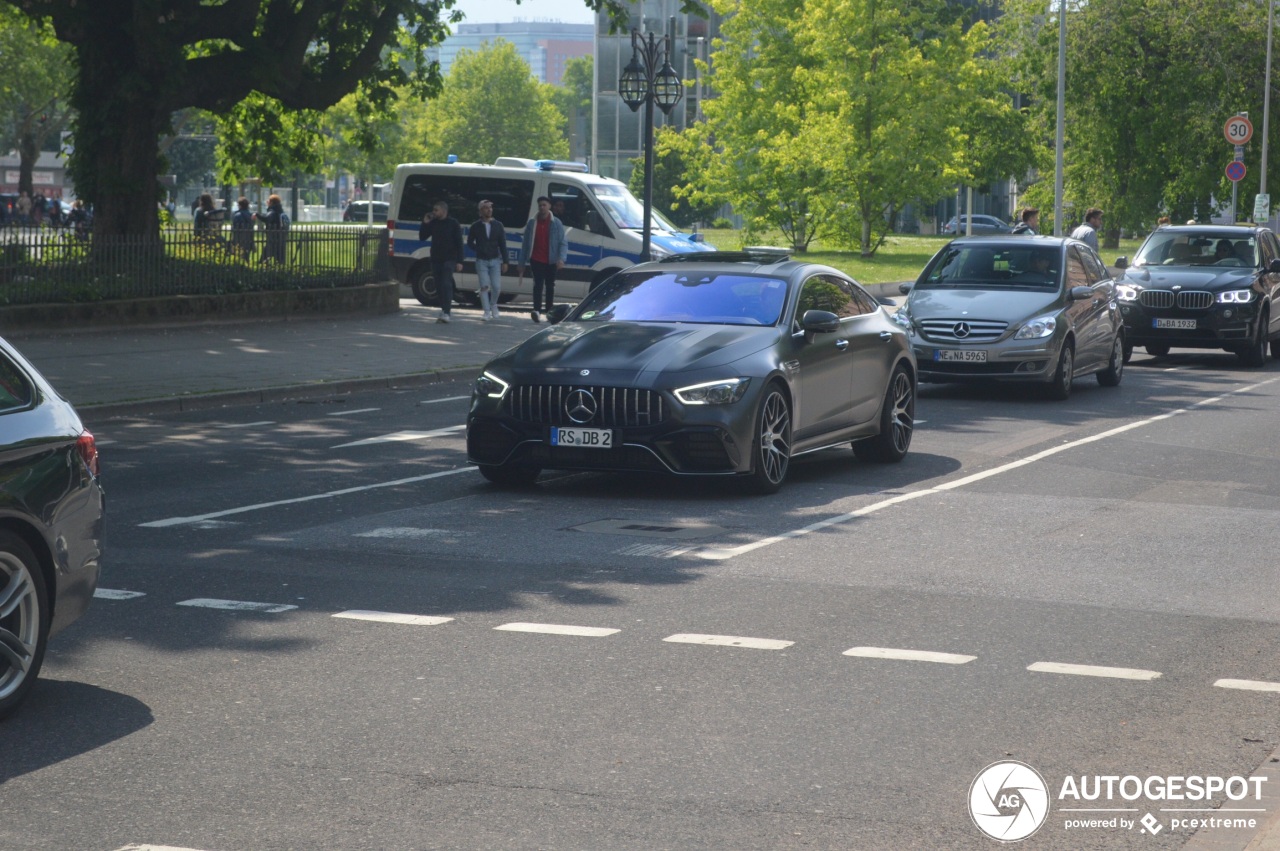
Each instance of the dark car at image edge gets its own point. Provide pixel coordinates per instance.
(724, 364)
(51, 520)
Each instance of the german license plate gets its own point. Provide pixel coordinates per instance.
(962, 355)
(1174, 323)
(582, 438)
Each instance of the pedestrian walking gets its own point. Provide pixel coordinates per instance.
(1029, 223)
(545, 251)
(1088, 232)
(242, 228)
(488, 239)
(24, 209)
(445, 234)
(79, 219)
(276, 222)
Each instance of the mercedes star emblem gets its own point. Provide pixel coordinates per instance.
(580, 406)
(585, 372)
(961, 330)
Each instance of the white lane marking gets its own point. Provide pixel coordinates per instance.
(356, 411)
(445, 399)
(401, 436)
(247, 425)
(116, 594)
(721, 553)
(1248, 685)
(909, 655)
(237, 605)
(179, 521)
(729, 641)
(100, 442)
(558, 629)
(409, 532)
(392, 617)
(1093, 671)
(154, 848)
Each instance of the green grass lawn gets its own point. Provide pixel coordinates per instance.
(900, 258)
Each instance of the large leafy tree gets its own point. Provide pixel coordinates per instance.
(673, 155)
(33, 89)
(491, 106)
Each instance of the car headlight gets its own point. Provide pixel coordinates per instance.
(1126, 293)
(1035, 329)
(713, 392)
(1235, 297)
(491, 385)
(902, 317)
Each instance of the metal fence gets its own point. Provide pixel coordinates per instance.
(59, 265)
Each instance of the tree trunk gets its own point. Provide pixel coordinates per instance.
(28, 154)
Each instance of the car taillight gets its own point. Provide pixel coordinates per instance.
(88, 452)
(391, 237)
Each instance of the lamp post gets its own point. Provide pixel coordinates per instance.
(645, 83)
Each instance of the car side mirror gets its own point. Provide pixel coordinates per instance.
(1274, 266)
(1081, 293)
(885, 301)
(557, 314)
(819, 322)
(905, 287)
(1122, 262)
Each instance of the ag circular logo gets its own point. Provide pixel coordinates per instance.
(1008, 801)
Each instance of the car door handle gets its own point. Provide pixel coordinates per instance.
(842, 344)
(885, 336)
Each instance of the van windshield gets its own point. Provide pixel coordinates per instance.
(626, 212)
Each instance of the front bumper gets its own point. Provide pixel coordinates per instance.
(1221, 326)
(1010, 360)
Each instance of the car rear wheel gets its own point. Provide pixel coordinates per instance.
(510, 475)
(424, 288)
(1255, 353)
(1059, 388)
(1128, 351)
(24, 621)
(1157, 350)
(897, 423)
(1110, 377)
(773, 441)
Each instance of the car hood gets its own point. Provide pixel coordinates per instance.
(1201, 278)
(1001, 305)
(631, 352)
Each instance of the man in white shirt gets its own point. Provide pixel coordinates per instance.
(1088, 232)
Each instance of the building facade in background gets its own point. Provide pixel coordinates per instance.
(545, 45)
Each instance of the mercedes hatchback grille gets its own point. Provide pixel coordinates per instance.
(963, 330)
(585, 405)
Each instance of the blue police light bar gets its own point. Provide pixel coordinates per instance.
(560, 165)
(452, 158)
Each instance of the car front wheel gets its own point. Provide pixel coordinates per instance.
(24, 621)
(1255, 353)
(1157, 350)
(773, 441)
(1110, 377)
(897, 423)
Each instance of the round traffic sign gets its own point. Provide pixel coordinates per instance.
(1235, 171)
(1238, 130)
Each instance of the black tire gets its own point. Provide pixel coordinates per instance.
(424, 287)
(467, 297)
(1157, 350)
(24, 621)
(510, 475)
(1059, 388)
(506, 298)
(771, 444)
(897, 423)
(1128, 351)
(1255, 353)
(1110, 377)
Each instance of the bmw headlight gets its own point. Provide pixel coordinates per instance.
(1038, 328)
(1235, 297)
(714, 392)
(491, 385)
(1124, 292)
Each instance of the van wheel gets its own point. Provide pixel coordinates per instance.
(424, 288)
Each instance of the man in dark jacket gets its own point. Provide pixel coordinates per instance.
(446, 253)
(1030, 221)
(488, 240)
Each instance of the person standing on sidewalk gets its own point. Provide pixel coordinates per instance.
(276, 222)
(1088, 232)
(488, 240)
(1030, 221)
(242, 228)
(545, 250)
(446, 253)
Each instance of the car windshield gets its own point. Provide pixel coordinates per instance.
(1197, 248)
(995, 267)
(626, 212)
(708, 298)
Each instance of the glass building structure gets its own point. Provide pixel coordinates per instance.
(545, 45)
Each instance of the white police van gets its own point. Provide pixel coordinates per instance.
(602, 219)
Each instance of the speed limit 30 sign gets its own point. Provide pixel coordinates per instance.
(1238, 130)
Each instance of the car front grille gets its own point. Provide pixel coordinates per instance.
(610, 407)
(963, 330)
(1188, 300)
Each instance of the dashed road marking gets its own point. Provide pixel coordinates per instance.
(445, 399)
(392, 617)
(559, 629)
(909, 655)
(1093, 671)
(356, 411)
(409, 533)
(729, 641)
(247, 425)
(116, 594)
(402, 436)
(1248, 685)
(237, 605)
(154, 848)
(180, 521)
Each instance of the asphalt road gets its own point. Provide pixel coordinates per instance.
(608, 662)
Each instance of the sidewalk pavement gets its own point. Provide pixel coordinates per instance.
(207, 365)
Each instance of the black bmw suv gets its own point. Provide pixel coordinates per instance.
(1203, 287)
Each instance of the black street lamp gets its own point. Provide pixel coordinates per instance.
(643, 82)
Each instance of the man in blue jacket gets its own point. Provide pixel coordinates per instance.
(446, 253)
(545, 251)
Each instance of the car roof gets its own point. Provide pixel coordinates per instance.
(1015, 240)
(1223, 230)
(774, 262)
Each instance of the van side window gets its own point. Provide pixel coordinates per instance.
(15, 389)
(574, 209)
(512, 199)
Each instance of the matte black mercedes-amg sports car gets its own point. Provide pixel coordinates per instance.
(721, 364)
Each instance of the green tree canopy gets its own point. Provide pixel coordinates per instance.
(37, 78)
